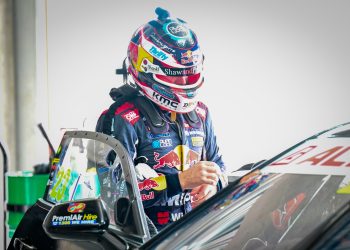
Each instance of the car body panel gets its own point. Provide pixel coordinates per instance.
(280, 204)
(276, 206)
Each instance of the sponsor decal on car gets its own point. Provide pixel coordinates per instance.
(344, 186)
(250, 184)
(58, 192)
(74, 219)
(293, 157)
(324, 157)
(344, 189)
(281, 218)
(76, 207)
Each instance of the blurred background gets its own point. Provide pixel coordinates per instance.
(275, 71)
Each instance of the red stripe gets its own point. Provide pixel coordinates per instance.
(124, 107)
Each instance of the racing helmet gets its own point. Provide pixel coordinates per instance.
(165, 63)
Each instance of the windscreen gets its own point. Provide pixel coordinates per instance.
(86, 168)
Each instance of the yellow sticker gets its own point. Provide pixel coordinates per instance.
(344, 190)
(142, 54)
(56, 160)
(161, 181)
(197, 141)
(61, 182)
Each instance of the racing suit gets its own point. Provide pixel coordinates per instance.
(168, 153)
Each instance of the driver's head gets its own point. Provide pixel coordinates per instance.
(166, 63)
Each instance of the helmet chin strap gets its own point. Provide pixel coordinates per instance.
(173, 116)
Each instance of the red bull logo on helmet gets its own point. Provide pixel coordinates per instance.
(181, 157)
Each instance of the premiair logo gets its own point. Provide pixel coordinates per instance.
(74, 219)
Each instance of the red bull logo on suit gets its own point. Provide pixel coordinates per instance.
(181, 157)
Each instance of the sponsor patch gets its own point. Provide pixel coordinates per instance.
(149, 67)
(164, 101)
(191, 132)
(176, 216)
(177, 200)
(156, 183)
(159, 54)
(131, 116)
(162, 143)
(181, 157)
(147, 197)
(201, 112)
(147, 184)
(124, 107)
(156, 136)
(197, 141)
(163, 217)
(163, 91)
(189, 57)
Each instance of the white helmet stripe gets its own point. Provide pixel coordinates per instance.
(159, 53)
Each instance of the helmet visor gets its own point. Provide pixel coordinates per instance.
(178, 80)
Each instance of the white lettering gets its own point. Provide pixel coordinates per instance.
(176, 216)
(164, 100)
(158, 53)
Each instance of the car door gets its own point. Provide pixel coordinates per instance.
(87, 166)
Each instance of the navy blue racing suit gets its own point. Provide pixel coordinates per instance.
(168, 153)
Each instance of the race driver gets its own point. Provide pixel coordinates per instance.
(166, 130)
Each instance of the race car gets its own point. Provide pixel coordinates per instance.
(299, 199)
